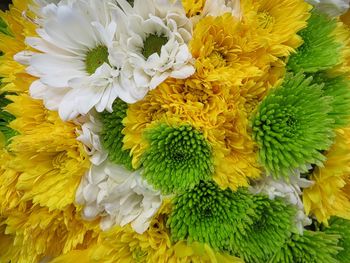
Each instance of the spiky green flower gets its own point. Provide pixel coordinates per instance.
(5, 118)
(311, 247)
(341, 227)
(272, 226)
(177, 158)
(338, 88)
(111, 135)
(250, 226)
(210, 215)
(292, 126)
(320, 50)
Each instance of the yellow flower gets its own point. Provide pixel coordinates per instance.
(276, 24)
(327, 197)
(213, 108)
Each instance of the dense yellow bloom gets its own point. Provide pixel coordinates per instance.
(276, 24)
(328, 197)
(213, 108)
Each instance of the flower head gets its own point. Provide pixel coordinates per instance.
(119, 196)
(177, 158)
(328, 196)
(154, 36)
(292, 126)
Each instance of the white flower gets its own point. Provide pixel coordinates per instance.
(89, 136)
(290, 190)
(75, 70)
(155, 36)
(220, 7)
(118, 196)
(331, 7)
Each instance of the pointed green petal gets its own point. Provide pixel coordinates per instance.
(320, 50)
(112, 136)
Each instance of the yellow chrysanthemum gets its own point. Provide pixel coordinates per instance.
(10, 45)
(193, 7)
(213, 108)
(327, 197)
(276, 24)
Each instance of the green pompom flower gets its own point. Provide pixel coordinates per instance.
(292, 126)
(5, 118)
(177, 158)
(272, 226)
(341, 227)
(210, 215)
(311, 247)
(320, 50)
(338, 88)
(111, 135)
(250, 226)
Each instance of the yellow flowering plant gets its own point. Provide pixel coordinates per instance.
(175, 131)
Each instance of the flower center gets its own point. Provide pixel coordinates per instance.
(217, 59)
(266, 20)
(95, 58)
(153, 44)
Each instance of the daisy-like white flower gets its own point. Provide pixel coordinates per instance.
(75, 70)
(155, 36)
(290, 190)
(118, 196)
(333, 8)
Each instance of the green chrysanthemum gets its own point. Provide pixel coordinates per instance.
(177, 158)
(339, 89)
(250, 226)
(311, 247)
(341, 227)
(320, 50)
(273, 222)
(5, 118)
(210, 215)
(111, 135)
(292, 126)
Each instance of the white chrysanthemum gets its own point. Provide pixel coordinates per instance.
(118, 196)
(155, 36)
(331, 7)
(288, 189)
(75, 70)
(89, 136)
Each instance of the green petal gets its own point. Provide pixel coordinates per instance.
(5, 118)
(177, 158)
(292, 126)
(341, 227)
(320, 50)
(311, 247)
(112, 136)
(338, 88)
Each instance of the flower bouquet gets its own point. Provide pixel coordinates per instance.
(175, 131)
